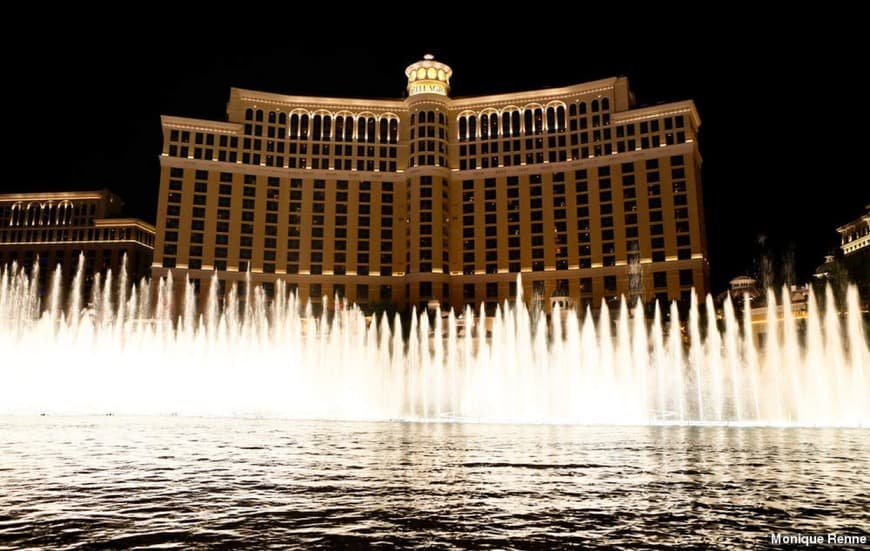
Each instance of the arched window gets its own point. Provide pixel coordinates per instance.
(493, 125)
(394, 131)
(413, 118)
(315, 127)
(528, 127)
(327, 127)
(582, 107)
(551, 119)
(282, 118)
(384, 131)
(361, 129)
(539, 121)
(339, 128)
(515, 123)
(605, 104)
(560, 118)
(294, 125)
(506, 124)
(348, 128)
(370, 130)
(441, 118)
(463, 129)
(303, 127)
(273, 117)
(67, 212)
(595, 106)
(572, 110)
(484, 126)
(259, 115)
(249, 114)
(472, 127)
(430, 116)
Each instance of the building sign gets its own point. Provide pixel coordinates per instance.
(427, 87)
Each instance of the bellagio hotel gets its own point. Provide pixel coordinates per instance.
(429, 197)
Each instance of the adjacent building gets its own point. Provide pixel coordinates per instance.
(56, 228)
(434, 198)
(855, 236)
(855, 245)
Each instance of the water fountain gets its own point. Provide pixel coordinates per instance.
(135, 352)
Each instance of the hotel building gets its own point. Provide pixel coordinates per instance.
(429, 197)
(56, 228)
(855, 246)
(855, 236)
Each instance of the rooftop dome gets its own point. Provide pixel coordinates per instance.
(428, 77)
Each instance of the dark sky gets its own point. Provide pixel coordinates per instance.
(772, 97)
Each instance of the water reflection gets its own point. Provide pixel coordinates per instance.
(160, 481)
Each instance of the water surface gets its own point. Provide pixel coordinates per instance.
(126, 482)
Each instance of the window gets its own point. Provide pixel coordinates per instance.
(386, 292)
(315, 291)
(362, 292)
(660, 280)
(686, 279)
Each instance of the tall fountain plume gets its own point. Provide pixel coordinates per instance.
(144, 348)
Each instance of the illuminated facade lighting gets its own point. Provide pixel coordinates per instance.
(352, 197)
(56, 228)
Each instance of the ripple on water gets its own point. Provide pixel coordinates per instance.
(230, 483)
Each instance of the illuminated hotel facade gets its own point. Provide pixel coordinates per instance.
(435, 198)
(56, 228)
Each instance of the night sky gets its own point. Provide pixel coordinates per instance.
(86, 113)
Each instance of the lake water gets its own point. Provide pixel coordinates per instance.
(127, 482)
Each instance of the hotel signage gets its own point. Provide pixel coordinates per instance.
(427, 87)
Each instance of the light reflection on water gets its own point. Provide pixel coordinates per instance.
(127, 482)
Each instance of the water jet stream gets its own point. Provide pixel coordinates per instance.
(128, 352)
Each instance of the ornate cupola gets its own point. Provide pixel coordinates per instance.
(428, 77)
